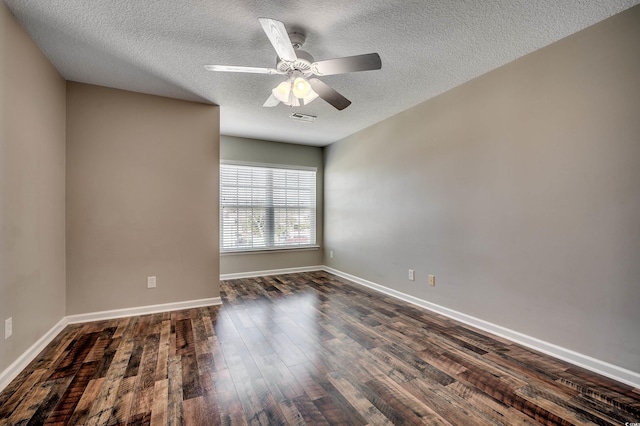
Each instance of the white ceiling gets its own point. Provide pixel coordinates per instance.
(427, 47)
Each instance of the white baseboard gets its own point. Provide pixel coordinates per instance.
(12, 371)
(142, 310)
(614, 372)
(23, 360)
(270, 272)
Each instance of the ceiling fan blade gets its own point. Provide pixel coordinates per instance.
(338, 101)
(369, 61)
(279, 38)
(271, 101)
(233, 68)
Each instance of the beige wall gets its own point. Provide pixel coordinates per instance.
(32, 191)
(142, 199)
(519, 190)
(258, 151)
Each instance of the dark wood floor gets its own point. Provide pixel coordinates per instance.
(303, 349)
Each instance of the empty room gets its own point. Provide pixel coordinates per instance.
(324, 213)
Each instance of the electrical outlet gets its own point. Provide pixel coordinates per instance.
(412, 275)
(8, 327)
(151, 282)
(331, 254)
(432, 280)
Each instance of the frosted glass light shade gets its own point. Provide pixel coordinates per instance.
(310, 97)
(282, 91)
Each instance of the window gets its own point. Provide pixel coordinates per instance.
(264, 207)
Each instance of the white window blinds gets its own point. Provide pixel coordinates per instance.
(263, 207)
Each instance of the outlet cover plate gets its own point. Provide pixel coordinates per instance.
(151, 282)
(8, 327)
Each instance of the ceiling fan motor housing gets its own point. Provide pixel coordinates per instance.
(304, 61)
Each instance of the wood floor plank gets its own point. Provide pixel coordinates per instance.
(446, 404)
(558, 406)
(56, 390)
(15, 395)
(29, 404)
(337, 410)
(103, 406)
(278, 377)
(175, 401)
(291, 414)
(309, 411)
(47, 359)
(227, 399)
(98, 350)
(401, 405)
(498, 413)
(81, 412)
(603, 410)
(304, 375)
(358, 400)
(308, 348)
(75, 356)
(159, 407)
(67, 405)
(194, 412)
(210, 404)
(121, 410)
(161, 371)
(506, 394)
(625, 402)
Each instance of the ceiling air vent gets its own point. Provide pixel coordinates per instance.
(303, 117)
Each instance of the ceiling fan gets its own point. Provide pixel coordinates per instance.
(299, 66)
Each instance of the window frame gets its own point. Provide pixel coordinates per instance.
(272, 248)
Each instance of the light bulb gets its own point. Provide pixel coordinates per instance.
(301, 87)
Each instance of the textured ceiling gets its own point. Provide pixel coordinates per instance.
(427, 47)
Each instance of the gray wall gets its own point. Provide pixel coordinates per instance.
(142, 199)
(519, 190)
(258, 151)
(32, 190)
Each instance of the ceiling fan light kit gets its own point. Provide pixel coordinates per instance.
(294, 91)
(298, 65)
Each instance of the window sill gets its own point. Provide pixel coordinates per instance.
(269, 250)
